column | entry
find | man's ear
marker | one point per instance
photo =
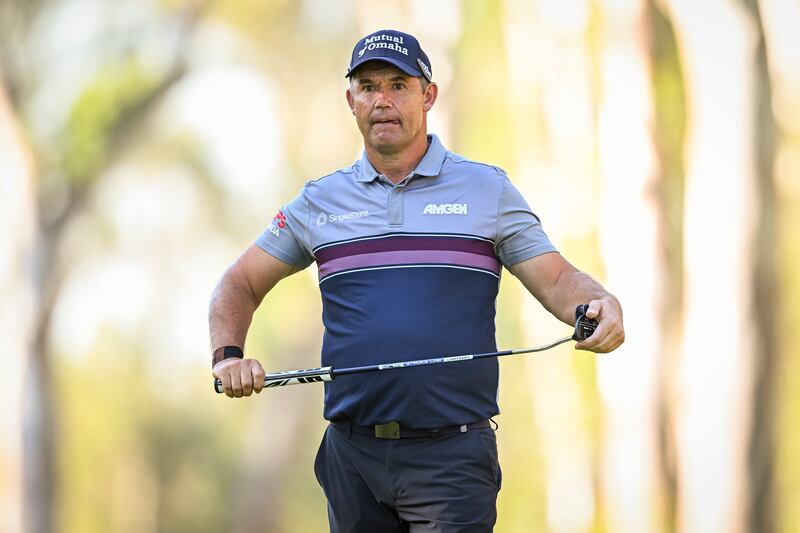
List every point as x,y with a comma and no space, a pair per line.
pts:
430,96
350,101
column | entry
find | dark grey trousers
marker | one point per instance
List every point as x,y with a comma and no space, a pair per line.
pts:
443,484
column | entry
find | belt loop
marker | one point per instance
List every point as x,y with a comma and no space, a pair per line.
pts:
349,428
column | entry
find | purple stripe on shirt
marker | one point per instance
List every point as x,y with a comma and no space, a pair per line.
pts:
409,257
404,242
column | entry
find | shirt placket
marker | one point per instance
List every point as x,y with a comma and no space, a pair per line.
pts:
395,201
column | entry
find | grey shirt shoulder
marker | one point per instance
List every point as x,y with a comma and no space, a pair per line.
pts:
498,211
519,234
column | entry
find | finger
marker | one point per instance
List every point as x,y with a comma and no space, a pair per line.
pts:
617,341
588,343
605,339
258,377
236,383
222,373
226,384
604,344
246,376
595,306
594,343
582,346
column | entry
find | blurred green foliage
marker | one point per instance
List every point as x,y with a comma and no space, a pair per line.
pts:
480,65
129,459
787,393
114,91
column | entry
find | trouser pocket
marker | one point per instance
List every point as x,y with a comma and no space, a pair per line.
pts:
489,440
319,459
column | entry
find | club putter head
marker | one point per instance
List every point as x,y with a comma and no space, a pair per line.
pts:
584,327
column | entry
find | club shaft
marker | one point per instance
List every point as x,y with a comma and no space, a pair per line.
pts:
318,375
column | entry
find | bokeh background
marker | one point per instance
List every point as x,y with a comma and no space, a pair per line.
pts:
144,144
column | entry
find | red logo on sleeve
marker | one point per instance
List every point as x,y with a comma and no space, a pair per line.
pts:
280,220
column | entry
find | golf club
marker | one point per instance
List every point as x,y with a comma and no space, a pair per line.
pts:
584,327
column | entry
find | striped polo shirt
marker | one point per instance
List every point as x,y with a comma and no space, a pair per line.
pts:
409,271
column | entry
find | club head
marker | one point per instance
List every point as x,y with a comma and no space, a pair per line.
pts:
584,327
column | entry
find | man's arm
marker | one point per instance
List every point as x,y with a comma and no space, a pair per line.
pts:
233,302
560,288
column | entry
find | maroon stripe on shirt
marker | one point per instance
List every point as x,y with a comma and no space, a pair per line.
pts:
405,243
410,257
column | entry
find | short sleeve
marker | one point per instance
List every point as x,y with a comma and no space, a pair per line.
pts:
519,232
286,237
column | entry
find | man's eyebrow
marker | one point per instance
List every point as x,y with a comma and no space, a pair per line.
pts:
363,81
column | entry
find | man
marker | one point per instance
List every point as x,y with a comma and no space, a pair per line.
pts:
409,241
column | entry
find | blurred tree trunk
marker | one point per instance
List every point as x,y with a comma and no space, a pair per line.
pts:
17,232
60,200
551,137
34,400
715,413
39,426
48,273
669,135
775,461
631,243
761,454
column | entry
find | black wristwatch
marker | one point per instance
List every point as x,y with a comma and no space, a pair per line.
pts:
226,352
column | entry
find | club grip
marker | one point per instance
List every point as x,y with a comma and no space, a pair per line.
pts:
290,377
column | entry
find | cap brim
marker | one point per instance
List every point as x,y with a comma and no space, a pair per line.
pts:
408,69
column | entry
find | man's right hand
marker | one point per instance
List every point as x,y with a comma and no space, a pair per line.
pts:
240,377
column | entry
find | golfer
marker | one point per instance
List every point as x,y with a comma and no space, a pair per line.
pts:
409,241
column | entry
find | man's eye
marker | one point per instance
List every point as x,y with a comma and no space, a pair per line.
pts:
399,86
367,88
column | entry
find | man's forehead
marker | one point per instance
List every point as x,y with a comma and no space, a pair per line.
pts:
374,69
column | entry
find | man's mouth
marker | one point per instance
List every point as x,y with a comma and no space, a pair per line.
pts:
386,121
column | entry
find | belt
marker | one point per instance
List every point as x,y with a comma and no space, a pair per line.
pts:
393,430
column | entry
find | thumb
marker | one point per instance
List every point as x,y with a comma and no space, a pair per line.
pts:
594,309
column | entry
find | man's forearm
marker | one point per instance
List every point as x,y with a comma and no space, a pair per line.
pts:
230,313
240,291
572,289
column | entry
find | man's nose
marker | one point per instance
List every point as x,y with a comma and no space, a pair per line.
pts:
383,99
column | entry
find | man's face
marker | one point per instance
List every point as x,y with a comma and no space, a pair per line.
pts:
389,106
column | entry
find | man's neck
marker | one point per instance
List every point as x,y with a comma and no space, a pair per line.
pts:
398,165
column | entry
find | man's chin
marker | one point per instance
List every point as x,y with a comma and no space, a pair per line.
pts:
387,146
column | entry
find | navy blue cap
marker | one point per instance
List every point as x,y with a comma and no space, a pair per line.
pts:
400,49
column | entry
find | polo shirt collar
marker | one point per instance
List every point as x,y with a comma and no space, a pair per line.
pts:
430,165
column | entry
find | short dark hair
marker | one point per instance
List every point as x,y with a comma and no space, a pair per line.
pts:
423,81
